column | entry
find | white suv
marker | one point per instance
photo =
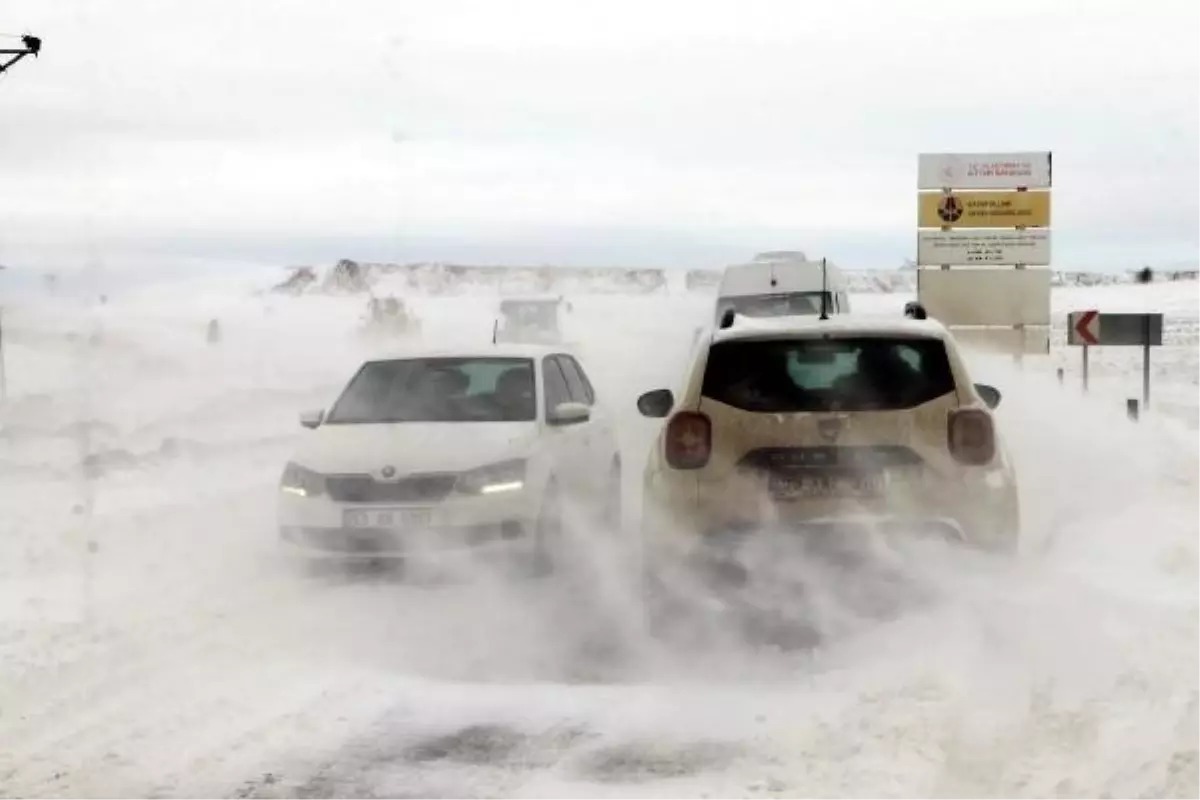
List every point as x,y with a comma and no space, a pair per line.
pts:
802,423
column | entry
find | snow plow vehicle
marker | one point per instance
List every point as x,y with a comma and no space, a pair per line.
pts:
389,317
531,320
796,433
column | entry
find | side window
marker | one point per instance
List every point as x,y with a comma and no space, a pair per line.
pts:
556,385
577,382
587,384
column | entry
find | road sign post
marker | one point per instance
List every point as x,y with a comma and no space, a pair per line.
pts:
3,374
1146,362
1093,329
1084,329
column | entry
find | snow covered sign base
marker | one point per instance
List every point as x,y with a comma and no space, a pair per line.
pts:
999,309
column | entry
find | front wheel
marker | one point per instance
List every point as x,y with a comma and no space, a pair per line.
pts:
547,534
611,501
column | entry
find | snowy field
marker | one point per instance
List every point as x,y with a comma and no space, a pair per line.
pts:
153,643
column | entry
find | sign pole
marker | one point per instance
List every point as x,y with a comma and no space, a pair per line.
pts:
1085,368
3,374
1146,363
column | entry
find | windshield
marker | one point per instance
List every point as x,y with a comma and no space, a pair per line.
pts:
850,374
776,305
439,390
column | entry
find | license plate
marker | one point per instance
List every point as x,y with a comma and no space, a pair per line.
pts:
386,518
799,486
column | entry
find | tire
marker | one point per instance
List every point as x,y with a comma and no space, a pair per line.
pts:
548,535
612,507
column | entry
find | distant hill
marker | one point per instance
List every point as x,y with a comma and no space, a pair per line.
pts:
352,277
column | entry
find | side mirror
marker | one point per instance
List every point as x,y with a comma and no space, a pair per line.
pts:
914,310
656,404
312,419
569,414
990,394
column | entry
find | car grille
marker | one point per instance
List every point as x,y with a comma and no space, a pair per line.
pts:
428,488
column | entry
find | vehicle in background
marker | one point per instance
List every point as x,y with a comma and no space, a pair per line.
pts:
802,426
441,453
531,319
390,317
780,283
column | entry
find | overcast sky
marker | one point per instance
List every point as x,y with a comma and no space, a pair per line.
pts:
641,132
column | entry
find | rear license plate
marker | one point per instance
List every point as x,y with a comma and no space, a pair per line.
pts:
387,518
822,485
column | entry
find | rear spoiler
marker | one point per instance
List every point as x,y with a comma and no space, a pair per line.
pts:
912,310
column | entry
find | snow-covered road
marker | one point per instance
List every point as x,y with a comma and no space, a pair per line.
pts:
152,642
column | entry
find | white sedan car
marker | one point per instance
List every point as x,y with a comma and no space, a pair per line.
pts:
440,453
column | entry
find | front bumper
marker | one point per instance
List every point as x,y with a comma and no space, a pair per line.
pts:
319,526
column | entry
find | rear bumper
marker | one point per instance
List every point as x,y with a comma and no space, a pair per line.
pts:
715,541
682,516
735,557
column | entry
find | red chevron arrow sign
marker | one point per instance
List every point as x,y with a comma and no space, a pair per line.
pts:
1084,327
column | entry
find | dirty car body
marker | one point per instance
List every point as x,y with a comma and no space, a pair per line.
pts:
798,428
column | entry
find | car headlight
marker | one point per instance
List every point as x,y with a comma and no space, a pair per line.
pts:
301,481
505,476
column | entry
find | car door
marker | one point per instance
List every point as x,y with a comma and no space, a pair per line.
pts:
565,443
599,439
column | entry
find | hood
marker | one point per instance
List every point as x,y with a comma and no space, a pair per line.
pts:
414,446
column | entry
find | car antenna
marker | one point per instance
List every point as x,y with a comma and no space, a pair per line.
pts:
824,292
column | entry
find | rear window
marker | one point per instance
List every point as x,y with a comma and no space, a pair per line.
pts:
836,374
784,304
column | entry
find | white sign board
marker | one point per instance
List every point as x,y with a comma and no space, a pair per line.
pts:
983,171
1034,341
1031,247
985,296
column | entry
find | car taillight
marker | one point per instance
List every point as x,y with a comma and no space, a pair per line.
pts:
972,437
689,440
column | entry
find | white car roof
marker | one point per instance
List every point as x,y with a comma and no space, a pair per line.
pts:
754,278
499,350
843,324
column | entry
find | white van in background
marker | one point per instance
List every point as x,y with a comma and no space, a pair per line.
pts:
782,283
779,283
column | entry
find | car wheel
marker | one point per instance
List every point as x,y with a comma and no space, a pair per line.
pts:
611,510
548,533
